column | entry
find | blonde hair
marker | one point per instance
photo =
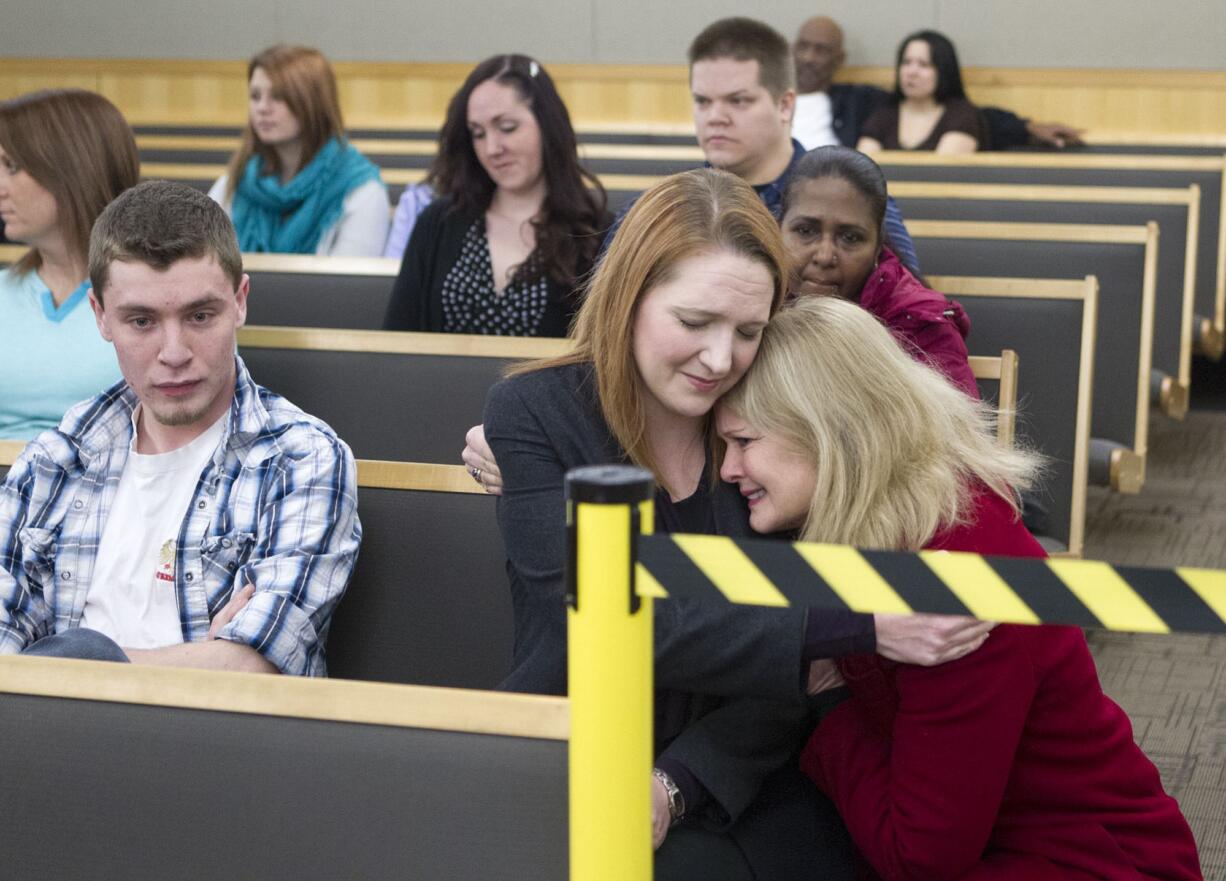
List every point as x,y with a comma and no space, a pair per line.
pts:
303,79
682,216
77,146
896,447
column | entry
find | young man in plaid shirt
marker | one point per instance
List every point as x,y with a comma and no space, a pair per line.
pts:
186,516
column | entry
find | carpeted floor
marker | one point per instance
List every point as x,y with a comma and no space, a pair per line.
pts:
1174,687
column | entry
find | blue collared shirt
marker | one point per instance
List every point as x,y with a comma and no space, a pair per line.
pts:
276,507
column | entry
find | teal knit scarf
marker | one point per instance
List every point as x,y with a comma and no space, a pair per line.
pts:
290,218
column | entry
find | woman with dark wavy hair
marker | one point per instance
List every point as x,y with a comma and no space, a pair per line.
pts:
518,222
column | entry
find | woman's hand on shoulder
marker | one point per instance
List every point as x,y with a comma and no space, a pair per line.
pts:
928,640
479,459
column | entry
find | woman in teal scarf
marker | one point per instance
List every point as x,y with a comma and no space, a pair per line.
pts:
296,186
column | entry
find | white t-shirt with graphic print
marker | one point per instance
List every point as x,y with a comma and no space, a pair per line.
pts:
132,597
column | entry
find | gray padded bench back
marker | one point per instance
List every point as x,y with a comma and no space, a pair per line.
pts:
1207,172
306,779
428,603
406,397
1051,327
1123,259
1172,210
307,291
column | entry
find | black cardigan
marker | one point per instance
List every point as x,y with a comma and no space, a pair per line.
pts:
434,247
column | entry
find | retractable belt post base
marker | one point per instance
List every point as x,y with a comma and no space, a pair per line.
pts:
609,633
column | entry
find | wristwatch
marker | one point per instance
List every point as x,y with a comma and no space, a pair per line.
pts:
676,801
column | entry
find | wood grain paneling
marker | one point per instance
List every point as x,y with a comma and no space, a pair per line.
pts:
1111,104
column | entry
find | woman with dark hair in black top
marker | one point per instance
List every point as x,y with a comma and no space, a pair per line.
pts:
518,222
928,110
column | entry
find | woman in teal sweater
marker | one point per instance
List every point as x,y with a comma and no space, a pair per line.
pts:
64,155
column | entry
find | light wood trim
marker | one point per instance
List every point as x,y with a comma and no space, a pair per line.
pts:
1007,419
992,286
1149,286
397,176
1157,139
1191,253
675,127
1085,398
311,264
1037,232
97,66
985,366
10,450
1100,77
426,147
622,97
219,143
12,253
330,700
1004,370
423,476
1052,160
1127,471
1219,317
687,153
666,73
1042,193
186,170
229,143
1006,424
400,343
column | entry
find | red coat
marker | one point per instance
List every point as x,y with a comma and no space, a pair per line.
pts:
925,320
1009,763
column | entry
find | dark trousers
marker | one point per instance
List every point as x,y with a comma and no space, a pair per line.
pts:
80,643
790,833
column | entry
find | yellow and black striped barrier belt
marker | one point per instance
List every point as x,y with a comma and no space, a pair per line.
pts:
1023,591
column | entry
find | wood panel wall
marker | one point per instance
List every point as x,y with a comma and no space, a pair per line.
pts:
1111,104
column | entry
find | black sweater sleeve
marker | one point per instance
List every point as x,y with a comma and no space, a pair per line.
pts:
1005,130
411,293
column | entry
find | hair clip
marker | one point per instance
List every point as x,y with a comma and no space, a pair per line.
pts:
533,68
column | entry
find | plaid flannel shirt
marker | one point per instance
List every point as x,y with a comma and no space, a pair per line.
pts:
276,507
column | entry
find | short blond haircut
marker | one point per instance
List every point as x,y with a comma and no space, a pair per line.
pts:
682,216
897,449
